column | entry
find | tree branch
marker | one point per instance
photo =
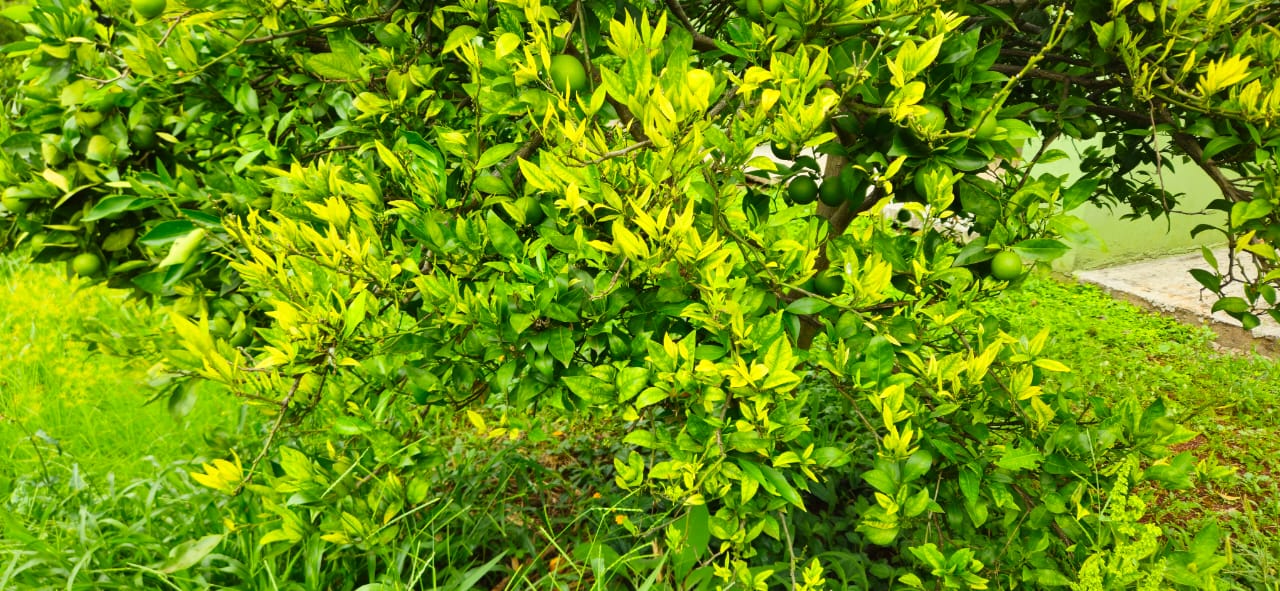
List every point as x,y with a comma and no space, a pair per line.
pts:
333,25
700,41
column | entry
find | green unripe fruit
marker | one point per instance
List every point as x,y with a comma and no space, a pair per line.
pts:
86,120
782,151
149,9
828,284
12,200
220,327
921,181
803,190
100,149
533,214
756,205
987,128
831,192
52,155
1006,265
932,121
770,7
567,73
143,136
86,264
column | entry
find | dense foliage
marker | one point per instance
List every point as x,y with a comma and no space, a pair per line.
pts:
372,218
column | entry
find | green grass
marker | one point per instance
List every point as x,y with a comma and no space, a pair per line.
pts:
63,398
1231,398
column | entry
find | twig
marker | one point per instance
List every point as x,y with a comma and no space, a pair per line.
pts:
173,26
271,435
700,41
620,152
791,552
314,28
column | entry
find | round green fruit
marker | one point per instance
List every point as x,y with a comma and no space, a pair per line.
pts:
100,149
770,7
802,190
143,136
987,128
782,151
86,120
52,155
149,9
1006,265
220,327
756,205
533,214
86,264
831,192
568,74
12,200
932,121
828,284
921,179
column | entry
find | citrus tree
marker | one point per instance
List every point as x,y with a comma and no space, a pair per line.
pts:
669,217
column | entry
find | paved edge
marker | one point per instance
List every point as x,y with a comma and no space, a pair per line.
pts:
1164,286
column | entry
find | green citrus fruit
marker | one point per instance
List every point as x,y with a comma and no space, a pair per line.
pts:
756,205
1006,265
220,327
143,136
921,180
148,9
831,192
86,264
52,155
803,190
932,121
100,149
986,129
770,7
853,182
828,284
782,151
533,214
568,74
86,120
13,201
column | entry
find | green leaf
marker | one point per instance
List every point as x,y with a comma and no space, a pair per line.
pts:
504,239
560,343
1016,459
166,232
650,396
458,36
1041,249
631,381
1078,193
881,482
1231,305
1245,211
117,204
590,389
917,465
496,154
970,484
189,553
1219,144
335,66
781,486
806,306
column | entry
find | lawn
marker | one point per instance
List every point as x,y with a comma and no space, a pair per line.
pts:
98,493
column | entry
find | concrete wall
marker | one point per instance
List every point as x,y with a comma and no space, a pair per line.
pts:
1130,240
